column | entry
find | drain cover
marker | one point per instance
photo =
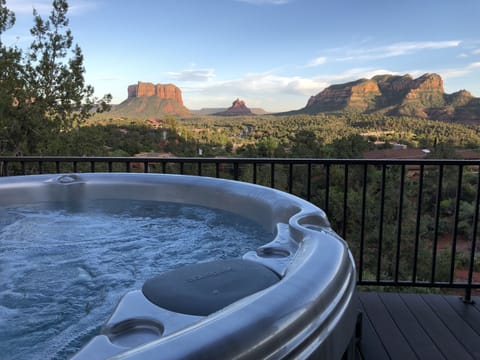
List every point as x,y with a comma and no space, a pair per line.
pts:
204,288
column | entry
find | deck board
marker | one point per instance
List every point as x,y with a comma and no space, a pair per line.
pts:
418,326
459,328
417,337
385,327
471,314
372,347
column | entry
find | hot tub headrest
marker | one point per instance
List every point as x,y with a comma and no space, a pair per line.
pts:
201,289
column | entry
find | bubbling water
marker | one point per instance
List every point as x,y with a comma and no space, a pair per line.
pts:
62,270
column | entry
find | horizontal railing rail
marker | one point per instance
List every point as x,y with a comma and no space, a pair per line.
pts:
409,223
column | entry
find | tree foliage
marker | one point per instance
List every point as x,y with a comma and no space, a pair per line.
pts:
43,90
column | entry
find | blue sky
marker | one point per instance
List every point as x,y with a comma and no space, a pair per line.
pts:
273,54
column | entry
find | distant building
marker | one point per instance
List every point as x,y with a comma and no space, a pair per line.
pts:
468,154
399,152
140,166
405,153
399,146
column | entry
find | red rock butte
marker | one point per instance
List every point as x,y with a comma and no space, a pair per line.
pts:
238,108
163,91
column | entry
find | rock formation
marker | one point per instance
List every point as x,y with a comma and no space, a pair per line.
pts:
397,95
149,101
358,95
238,108
163,91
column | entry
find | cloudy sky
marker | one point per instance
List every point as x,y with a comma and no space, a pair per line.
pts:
273,54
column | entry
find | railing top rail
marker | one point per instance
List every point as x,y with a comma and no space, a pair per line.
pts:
242,160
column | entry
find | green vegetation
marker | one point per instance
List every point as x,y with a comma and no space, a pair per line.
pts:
324,135
42,90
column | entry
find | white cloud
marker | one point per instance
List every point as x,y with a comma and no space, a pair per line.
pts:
457,72
267,83
396,49
277,93
193,75
355,74
44,7
26,6
403,48
266,90
270,91
317,61
295,85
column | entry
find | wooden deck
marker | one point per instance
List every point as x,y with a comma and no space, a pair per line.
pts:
418,326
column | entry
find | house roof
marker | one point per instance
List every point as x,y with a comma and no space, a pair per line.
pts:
412,153
409,153
468,154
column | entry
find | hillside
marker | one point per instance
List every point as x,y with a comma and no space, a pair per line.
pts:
394,95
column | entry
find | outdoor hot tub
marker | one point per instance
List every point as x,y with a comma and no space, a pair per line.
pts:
291,297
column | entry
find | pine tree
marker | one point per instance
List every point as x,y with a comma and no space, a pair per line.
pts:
43,91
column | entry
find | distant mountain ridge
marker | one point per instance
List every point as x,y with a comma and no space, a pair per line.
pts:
153,101
394,95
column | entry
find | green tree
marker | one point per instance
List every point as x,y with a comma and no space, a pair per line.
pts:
44,91
11,84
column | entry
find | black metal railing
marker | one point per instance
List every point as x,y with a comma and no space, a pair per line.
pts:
409,223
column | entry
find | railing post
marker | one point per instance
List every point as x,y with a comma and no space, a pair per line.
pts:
235,171
468,290
309,181
272,174
455,224
327,187
362,223
380,227
417,227
437,223
399,223
345,201
290,178
4,168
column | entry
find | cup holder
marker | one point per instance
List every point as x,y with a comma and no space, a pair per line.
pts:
273,252
133,332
